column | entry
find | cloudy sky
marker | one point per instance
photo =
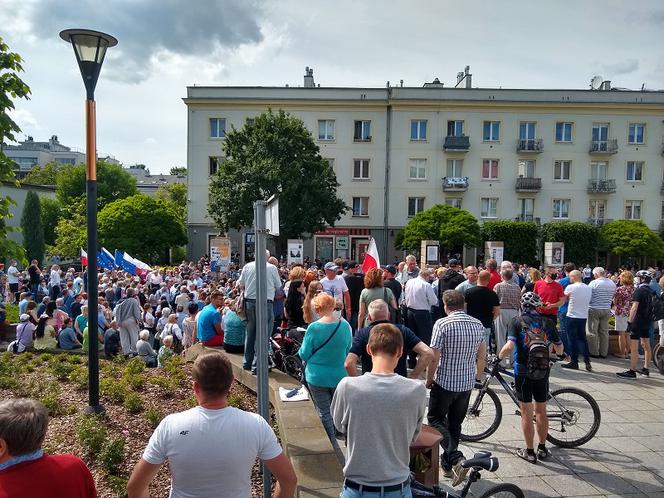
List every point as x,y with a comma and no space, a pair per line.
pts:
165,45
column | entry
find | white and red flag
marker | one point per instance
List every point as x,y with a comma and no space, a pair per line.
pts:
84,258
371,258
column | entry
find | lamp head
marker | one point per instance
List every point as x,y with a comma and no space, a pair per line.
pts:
90,49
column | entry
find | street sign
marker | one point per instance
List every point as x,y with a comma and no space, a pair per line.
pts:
272,216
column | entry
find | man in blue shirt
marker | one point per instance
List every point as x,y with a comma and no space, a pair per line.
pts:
562,311
208,321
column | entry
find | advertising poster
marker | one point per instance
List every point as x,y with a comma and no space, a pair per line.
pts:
295,251
554,253
220,253
494,250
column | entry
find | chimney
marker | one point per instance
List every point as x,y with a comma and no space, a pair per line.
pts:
309,78
469,78
606,85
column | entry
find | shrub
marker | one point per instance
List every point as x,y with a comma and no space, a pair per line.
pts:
61,369
136,381
519,238
12,313
153,416
581,240
133,403
235,401
160,382
134,366
9,383
112,455
118,486
79,376
91,434
113,389
74,359
46,357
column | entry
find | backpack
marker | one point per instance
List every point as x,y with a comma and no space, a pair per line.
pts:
537,363
657,305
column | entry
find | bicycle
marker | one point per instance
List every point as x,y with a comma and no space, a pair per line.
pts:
284,345
658,357
567,410
482,460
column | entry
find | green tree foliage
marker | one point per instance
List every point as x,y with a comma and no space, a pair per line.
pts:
632,238
11,87
580,239
70,231
33,230
43,175
113,183
175,196
275,154
51,211
144,227
519,237
179,170
453,227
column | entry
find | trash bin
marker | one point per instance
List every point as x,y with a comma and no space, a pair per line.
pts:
425,456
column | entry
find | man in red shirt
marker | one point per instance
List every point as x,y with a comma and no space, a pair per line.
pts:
25,471
551,293
492,267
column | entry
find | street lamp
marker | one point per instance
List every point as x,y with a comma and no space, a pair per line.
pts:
90,49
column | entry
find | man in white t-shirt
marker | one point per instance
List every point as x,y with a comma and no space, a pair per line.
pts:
335,286
578,294
212,448
12,280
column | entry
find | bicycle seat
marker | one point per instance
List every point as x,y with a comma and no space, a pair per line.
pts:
481,461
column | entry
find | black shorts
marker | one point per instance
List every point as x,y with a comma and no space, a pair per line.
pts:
527,390
13,288
639,332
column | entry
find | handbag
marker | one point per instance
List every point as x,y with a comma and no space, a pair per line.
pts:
304,363
16,343
241,307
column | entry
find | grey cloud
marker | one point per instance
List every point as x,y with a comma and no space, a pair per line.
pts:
623,67
145,27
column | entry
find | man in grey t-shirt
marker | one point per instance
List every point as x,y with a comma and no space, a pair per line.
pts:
381,413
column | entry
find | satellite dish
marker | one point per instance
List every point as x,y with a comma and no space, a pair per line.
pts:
596,82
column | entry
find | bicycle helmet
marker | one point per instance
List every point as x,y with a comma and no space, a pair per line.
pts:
644,275
531,300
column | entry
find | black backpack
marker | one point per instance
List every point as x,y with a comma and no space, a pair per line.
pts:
537,362
657,304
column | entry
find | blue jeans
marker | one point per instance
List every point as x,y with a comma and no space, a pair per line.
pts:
34,289
576,330
322,398
354,493
564,321
250,339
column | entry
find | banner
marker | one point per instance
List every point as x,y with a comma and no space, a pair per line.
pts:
494,250
220,254
554,253
295,251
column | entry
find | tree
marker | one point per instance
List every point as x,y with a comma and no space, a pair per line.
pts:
33,230
275,154
452,227
519,238
51,211
11,87
175,196
179,170
632,238
580,239
144,227
71,230
113,183
43,175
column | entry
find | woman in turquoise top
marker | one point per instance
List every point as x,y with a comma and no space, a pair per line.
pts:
325,366
235,330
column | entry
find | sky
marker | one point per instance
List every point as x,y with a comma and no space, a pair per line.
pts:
166,45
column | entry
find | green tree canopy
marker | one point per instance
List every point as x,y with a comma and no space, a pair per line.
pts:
43,175
51,211
113,183
144,227
179,170
275,154
452,227
11,87
175,196
519,237
632,238
71,231
580,239
33,230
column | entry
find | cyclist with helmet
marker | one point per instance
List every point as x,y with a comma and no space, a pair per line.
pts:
638,325
528,336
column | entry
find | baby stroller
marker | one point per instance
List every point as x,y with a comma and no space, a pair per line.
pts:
284,345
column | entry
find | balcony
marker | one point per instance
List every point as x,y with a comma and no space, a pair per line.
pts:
527,217
456,144
528,184
601,186
531,145
455,183
604,146
598,222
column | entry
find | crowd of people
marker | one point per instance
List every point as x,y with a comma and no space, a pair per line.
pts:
373,342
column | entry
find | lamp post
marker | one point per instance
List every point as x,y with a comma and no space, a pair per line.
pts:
90,49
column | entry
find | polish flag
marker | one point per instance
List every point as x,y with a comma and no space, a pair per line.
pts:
371,259
84,258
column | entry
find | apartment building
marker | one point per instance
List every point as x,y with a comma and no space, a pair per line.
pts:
542,155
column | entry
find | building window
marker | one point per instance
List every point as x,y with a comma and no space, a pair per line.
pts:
360,206
527,131
489,207
634,171
637,133
418,129
215,162
597,210
561,208
526,209
599,170
491,131
527,168
564,132
562,170
601,134
361,169
415,205
633,210
217,127
418,169
454,168
455,128
325,129
489,169
454,202
24,163
66,160
362,131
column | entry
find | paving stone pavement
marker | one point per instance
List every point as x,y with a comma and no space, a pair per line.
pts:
625,458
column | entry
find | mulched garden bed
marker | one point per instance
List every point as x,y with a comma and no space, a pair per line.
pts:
135,399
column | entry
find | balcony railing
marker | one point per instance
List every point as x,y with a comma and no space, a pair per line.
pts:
601,186
533,145
527,217
455,183
598,222
456,144
528,184
604,146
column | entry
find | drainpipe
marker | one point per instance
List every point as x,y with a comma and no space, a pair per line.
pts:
386,199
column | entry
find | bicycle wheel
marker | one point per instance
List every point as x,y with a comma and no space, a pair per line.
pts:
483,416
293,367
504,490
574,417
658,358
